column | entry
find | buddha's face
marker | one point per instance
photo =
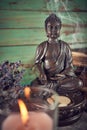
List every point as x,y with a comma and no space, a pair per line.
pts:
53,30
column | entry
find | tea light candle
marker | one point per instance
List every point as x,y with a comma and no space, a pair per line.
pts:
33,121
37,121
64,101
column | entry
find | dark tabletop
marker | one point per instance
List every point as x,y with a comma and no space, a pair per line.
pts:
81,124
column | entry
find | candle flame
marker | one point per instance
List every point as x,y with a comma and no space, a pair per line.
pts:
27,92
23,111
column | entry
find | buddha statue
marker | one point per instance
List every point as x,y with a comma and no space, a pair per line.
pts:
53,60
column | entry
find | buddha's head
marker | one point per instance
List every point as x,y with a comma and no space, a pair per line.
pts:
53,26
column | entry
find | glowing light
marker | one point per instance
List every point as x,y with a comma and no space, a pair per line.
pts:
23,111
27,92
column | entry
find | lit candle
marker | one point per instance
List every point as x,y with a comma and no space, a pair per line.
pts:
27,121
27,92
63,100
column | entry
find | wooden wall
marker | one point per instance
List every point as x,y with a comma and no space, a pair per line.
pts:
22,27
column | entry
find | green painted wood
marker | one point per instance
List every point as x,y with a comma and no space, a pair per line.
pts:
44,5
28,76
21,19
24,28
30,19
22,4
67,5
24,53
21,37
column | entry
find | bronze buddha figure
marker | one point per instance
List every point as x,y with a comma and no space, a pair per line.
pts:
53,59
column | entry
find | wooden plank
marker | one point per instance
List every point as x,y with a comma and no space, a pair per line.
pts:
29,19
21,37
23,4
13,54
45,5
79,59
67,5
78,45
21,19
75,38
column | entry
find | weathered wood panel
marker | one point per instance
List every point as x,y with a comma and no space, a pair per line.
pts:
30,19
13,54
21,36
23,27
44,5
21,19
67,5
23,4
13,37
79,59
